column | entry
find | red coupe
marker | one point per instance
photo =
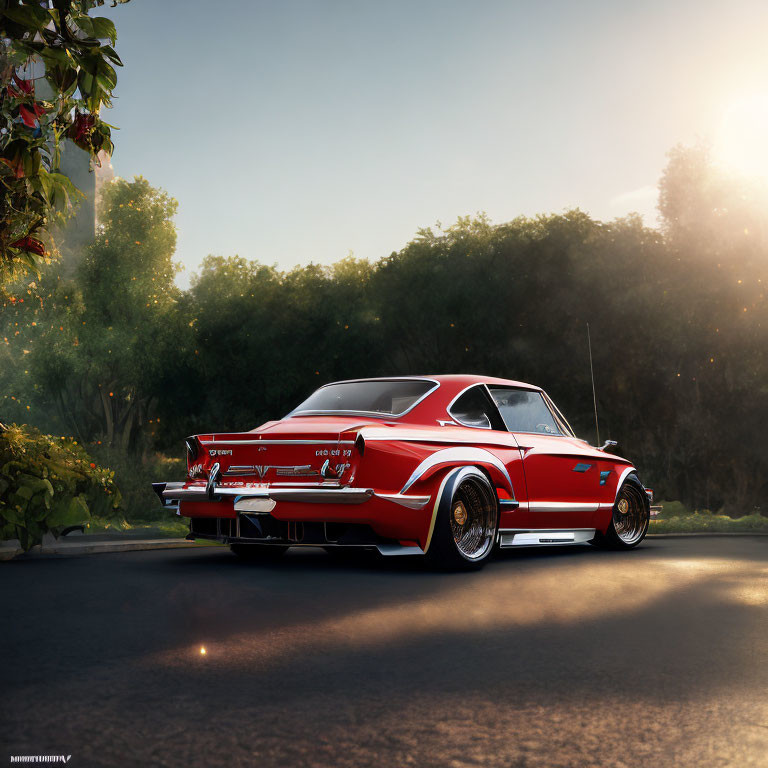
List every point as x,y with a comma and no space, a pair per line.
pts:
442,466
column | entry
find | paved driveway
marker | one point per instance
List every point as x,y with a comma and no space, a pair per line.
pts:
656,657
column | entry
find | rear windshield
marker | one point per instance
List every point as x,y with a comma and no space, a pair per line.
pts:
388,398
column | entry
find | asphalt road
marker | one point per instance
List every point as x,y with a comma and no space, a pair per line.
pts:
572,657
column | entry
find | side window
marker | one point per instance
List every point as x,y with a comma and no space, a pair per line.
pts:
524,410
472,409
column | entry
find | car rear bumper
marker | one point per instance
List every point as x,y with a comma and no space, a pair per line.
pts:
292,515
330,493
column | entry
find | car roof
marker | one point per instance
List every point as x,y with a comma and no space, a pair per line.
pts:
453,379
447,387
467,379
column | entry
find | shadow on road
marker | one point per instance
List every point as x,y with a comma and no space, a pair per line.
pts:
369,661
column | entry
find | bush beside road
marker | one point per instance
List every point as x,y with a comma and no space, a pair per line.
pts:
675,517
168,527
708,522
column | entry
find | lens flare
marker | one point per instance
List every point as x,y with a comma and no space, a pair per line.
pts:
740,143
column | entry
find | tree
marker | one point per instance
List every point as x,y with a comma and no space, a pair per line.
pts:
56,72
76,57
716,230
112,332
679,325
275,335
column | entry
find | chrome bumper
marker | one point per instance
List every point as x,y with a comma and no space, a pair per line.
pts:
170,493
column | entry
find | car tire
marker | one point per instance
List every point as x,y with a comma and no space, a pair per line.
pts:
466,521
263,552
630,518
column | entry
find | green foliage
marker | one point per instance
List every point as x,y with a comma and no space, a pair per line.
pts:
89,354
166,527
72,56
679,329
48,483
679,324
673,509
134,475
277,334
706,522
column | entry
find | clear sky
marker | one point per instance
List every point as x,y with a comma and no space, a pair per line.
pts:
294,131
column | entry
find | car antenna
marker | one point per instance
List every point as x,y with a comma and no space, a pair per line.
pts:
592,374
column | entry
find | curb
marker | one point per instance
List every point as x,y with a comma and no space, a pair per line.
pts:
96,547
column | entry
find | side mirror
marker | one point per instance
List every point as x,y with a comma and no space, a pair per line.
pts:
607,444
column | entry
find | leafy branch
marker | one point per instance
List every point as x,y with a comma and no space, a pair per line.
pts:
57,71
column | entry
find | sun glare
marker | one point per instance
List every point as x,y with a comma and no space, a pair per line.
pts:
742,140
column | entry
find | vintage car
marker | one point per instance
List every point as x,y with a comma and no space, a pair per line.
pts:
444,466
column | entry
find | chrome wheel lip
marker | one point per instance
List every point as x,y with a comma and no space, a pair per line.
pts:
630,526
474,544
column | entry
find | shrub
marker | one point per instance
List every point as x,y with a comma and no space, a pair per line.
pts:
707,522
673,509
49,483
135,475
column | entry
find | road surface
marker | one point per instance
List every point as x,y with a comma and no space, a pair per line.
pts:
572,657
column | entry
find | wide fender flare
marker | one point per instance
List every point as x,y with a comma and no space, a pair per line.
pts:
462,457
602,518
448,485
623,475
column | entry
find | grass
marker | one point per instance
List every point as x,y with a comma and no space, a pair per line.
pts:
170,528
709,522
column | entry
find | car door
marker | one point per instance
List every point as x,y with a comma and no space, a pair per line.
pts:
562,485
